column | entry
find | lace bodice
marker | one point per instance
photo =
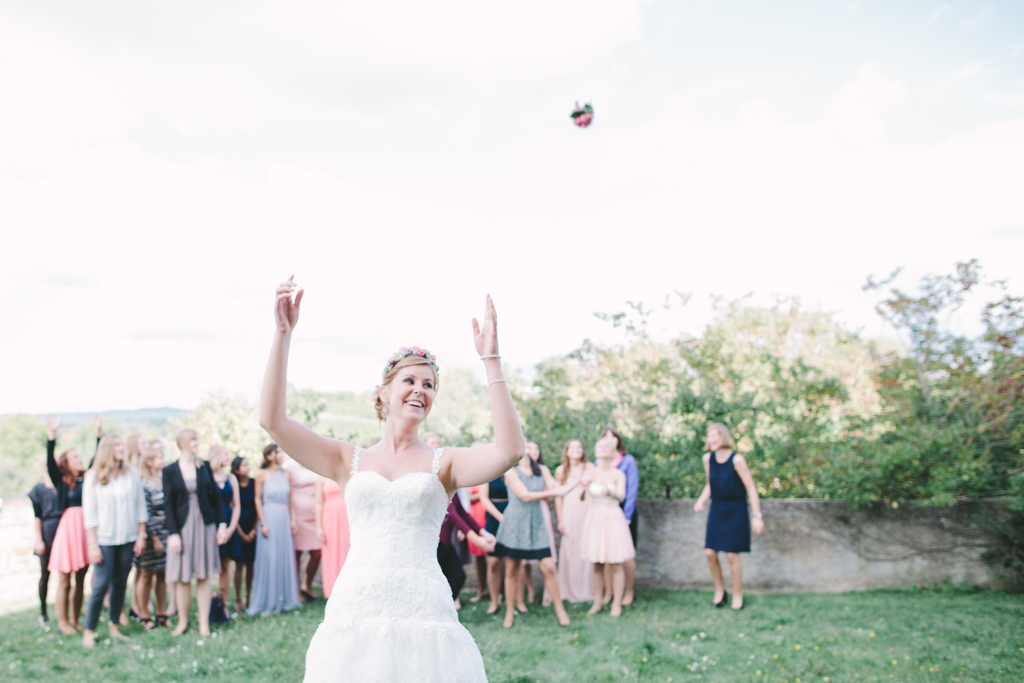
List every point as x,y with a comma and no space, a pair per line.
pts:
391,616
396,520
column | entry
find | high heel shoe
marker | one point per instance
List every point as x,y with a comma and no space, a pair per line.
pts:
742,605
721,603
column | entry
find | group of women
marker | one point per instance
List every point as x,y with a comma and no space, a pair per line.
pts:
177,524
509,524
509,528
188,521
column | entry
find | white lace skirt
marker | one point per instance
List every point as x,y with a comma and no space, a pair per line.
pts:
391,626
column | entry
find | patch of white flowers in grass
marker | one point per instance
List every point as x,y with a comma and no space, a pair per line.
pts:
741,635
703,635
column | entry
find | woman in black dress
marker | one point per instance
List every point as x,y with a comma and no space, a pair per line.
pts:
47,517
245,549
729,486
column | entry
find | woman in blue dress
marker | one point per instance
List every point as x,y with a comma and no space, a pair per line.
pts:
729,486
275,586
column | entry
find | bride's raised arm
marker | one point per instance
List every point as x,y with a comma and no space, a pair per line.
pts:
328,457
480,464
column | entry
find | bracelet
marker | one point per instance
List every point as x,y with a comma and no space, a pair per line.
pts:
759,515
491,356
495,380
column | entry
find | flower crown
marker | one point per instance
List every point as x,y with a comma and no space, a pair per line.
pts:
405,353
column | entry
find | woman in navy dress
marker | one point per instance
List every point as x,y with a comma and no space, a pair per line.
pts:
494,498
245,549
729,486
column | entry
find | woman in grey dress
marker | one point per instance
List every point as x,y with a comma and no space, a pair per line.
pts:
275,586
195,524
523,534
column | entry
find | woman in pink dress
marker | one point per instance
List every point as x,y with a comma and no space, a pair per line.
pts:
574,572
606,537
306,537
332,528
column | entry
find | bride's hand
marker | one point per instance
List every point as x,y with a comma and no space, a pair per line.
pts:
286,311
485,337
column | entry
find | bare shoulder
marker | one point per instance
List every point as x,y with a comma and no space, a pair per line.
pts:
559,470
739,460
706,457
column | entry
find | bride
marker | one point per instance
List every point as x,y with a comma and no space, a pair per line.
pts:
391,616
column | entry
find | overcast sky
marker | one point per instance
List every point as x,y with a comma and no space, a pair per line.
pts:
164,165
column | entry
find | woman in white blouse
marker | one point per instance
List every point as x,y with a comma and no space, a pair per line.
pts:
114,508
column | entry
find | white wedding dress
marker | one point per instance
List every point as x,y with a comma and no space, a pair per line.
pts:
391,617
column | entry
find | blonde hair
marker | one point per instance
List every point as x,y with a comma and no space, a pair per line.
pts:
184,436
106,461
214,451
146,469
723,432
406,362
134,452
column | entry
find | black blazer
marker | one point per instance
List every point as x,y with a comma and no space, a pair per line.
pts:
176,497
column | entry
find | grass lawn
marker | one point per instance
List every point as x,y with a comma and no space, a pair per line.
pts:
666,635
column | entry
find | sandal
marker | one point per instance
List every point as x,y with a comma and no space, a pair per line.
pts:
306,594
147,624
161,620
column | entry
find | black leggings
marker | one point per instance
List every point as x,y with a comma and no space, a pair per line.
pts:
44,583
451,567
110,574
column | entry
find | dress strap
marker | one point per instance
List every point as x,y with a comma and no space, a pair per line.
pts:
355,459
435,464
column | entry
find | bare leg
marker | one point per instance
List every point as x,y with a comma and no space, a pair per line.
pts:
161,593
528,581
494,573
224,581
311,566
141,594
183,601
77,597
248,583
63,589
239,570
525,578
204,593
607,597
550,572
298,573
598,586
736,574
618,587
716,573
481,576
513,574
629,568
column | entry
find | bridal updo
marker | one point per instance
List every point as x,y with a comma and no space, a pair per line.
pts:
389,377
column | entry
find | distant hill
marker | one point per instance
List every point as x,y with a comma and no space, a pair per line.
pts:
156,417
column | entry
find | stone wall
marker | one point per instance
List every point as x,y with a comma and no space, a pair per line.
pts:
822,546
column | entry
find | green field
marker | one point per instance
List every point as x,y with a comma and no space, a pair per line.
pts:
666,635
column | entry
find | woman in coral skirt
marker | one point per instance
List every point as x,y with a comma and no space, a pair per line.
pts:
606,537
332,528
70,551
